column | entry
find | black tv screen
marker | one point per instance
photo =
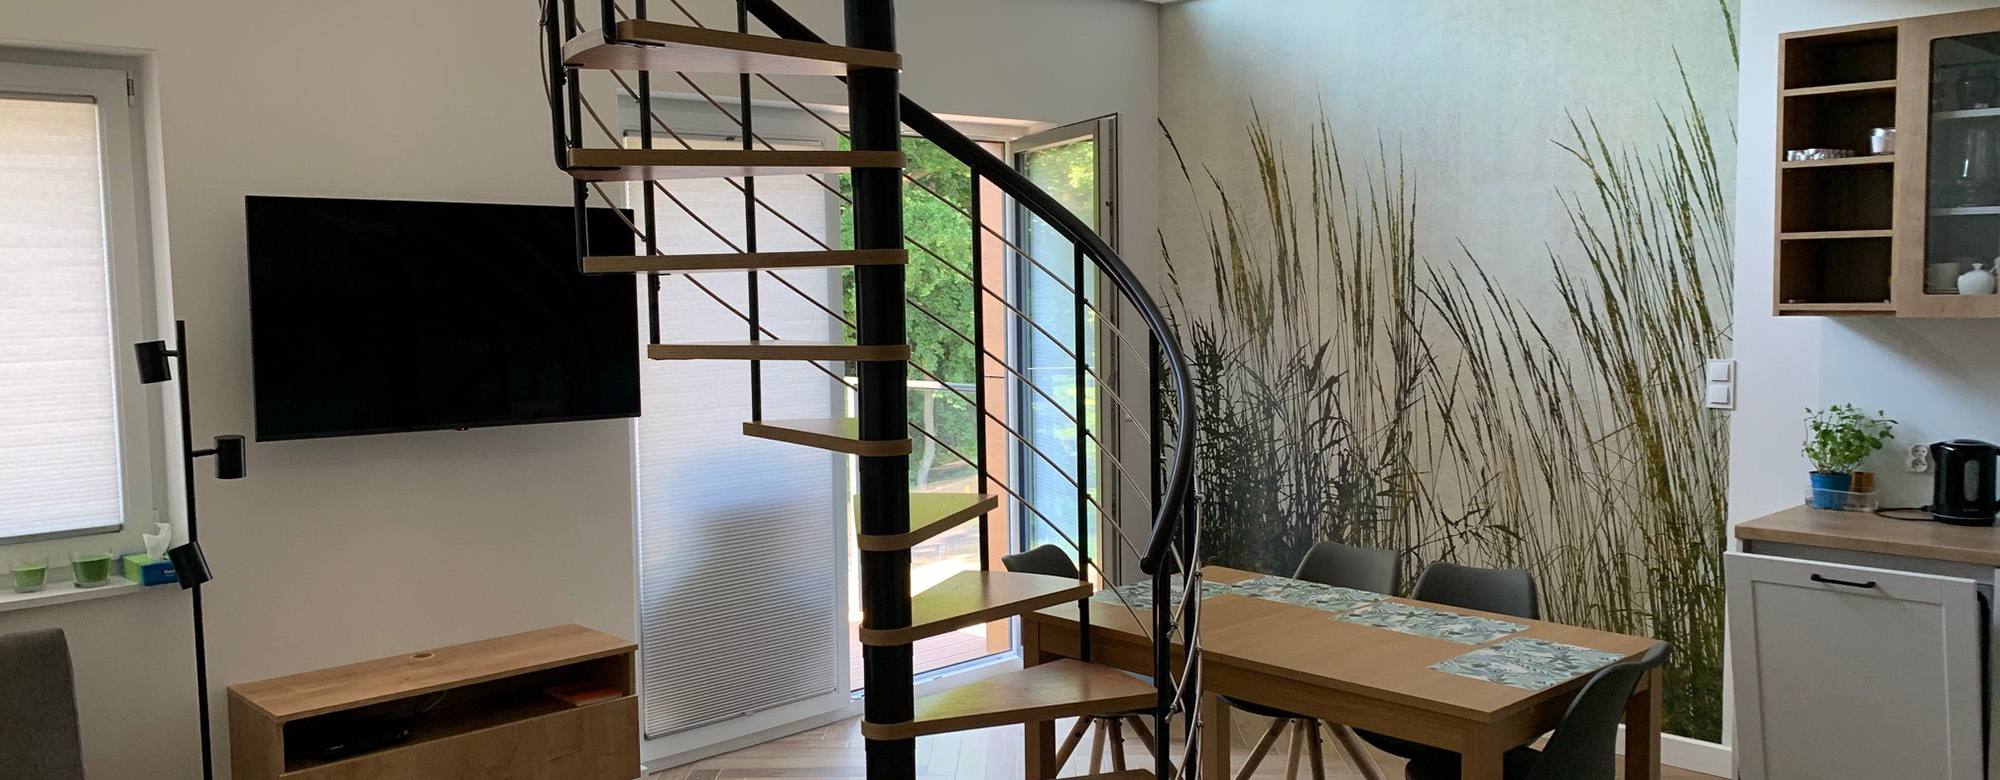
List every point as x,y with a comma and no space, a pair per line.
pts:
372,316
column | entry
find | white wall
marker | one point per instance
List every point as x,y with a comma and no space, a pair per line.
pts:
342,550
1935,377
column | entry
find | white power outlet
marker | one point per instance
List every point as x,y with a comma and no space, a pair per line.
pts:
1920,458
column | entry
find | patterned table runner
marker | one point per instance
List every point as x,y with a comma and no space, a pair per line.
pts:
1433,623
1301,593
1140,594
1533,664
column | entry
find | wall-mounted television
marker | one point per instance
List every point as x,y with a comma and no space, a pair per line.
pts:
375,316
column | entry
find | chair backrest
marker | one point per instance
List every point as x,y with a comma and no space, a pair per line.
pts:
1586,740
1503,591
1362,568
1046,559
38,731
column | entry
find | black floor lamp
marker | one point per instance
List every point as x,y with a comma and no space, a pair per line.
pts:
189,565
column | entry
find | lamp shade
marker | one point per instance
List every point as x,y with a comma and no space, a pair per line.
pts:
153,368
231,461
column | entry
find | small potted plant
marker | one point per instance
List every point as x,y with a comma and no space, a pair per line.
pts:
1838,439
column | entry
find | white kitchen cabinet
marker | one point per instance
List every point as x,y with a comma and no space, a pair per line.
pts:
1849,672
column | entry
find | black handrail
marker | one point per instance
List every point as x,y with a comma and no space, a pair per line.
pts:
1040,203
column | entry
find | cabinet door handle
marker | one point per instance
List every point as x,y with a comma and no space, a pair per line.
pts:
1832,581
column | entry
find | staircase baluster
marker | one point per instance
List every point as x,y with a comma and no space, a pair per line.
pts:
749,221
1083,516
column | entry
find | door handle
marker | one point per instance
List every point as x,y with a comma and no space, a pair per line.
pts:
1832,581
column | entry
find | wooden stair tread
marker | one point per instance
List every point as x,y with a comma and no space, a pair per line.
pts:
657,164
658,46
1061,689
839,434
969,598
743,261
776,350
1129,774
931,514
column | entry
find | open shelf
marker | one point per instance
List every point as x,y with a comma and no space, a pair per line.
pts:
1843,162
1823,309
1885,87
1851,56
1836,198
1834,275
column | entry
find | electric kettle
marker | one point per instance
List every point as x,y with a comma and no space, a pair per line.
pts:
1962,483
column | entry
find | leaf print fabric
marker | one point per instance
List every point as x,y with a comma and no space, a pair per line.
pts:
1433,623
1301,593
1533,664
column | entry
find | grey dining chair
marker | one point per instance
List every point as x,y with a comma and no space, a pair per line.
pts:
1584,744
1501,591
39,737
1347,566
1051,560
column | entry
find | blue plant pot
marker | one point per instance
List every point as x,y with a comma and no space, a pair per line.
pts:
1829,491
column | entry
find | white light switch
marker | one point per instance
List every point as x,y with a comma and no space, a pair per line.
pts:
1720,390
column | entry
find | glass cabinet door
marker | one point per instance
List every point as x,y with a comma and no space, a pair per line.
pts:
1949,229
1962,184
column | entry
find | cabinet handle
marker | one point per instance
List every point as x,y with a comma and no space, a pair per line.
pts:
1832,581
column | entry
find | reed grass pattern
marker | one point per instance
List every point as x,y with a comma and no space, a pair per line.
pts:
1349,389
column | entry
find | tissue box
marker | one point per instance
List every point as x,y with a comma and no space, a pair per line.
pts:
146,570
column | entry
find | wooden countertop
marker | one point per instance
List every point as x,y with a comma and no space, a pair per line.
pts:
1872,533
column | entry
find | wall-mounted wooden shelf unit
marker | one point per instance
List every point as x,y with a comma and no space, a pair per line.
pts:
1889,234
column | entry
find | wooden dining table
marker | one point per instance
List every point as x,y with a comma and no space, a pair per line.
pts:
1303,660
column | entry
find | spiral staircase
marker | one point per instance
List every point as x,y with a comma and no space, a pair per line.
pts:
892,519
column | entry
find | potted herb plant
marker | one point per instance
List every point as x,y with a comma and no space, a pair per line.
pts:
1838,438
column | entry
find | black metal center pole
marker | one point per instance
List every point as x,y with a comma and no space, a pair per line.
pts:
874,96
194,538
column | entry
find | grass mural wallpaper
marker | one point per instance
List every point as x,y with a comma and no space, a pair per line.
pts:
1367,373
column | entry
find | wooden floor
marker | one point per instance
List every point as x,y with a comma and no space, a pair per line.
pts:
989,754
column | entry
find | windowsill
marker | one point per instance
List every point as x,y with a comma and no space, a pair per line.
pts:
63,593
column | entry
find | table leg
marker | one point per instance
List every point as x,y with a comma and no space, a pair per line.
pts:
1482,758
1039,739
1642,730
1214,737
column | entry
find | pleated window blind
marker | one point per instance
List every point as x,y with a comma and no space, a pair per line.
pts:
59,457
739,538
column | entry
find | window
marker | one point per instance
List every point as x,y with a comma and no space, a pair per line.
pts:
736,534
72,428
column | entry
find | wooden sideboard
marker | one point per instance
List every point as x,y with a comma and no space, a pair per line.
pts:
487,714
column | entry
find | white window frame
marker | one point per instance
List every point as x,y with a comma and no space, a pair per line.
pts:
130,273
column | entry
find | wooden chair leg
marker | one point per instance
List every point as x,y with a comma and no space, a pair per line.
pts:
1357,750
1117,729
1144,734
1263,746
1070,742
1096,750
1311,728
1292,762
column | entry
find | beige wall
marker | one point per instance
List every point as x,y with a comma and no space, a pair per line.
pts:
341,550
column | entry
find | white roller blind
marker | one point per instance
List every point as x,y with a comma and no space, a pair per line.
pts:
739,538
59,464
